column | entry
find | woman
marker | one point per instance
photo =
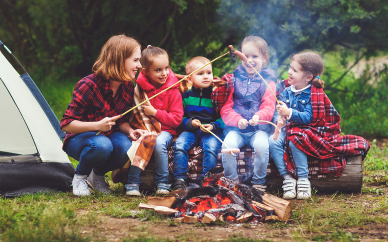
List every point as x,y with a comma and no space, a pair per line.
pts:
98,100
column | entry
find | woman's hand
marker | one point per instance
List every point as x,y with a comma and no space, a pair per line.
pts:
282,109
195,123
207,126
135,134
107,123
148,109
242,123
255,120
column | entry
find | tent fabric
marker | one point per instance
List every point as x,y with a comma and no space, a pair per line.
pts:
31,155
43,104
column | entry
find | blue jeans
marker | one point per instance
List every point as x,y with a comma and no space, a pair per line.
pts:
277,151
186,141
161,160
98,152
259,142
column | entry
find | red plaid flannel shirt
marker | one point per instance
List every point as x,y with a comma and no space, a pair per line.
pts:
221,94
322,138
93,100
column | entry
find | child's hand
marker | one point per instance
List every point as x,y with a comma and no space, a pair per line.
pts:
242,123
207,126
255,120
195,123
282,109
135,134
148,109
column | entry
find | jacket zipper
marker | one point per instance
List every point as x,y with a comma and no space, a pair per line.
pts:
200,98
249,81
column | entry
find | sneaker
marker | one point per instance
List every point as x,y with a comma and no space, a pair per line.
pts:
261,188
303,188
80,186
98,183
179,184
163,189
132,190
289,191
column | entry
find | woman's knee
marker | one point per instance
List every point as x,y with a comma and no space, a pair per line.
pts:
101,146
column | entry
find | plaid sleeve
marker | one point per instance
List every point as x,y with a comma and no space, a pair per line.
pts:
220,94
82,95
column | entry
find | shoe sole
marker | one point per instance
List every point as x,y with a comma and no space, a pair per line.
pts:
133,193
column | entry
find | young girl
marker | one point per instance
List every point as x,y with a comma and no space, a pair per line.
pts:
166,108
312,128
249,100
97,101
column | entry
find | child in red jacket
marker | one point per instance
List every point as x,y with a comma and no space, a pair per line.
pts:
166,108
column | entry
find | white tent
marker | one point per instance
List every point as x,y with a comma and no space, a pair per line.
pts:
31,155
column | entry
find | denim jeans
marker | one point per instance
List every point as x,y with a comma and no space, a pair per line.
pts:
186,141
161,161
277,151
98,152
259,142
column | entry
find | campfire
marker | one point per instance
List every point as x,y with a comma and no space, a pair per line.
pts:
219,198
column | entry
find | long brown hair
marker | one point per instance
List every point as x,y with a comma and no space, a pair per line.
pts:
110,64
311,63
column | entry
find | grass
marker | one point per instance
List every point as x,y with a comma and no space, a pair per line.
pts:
64,217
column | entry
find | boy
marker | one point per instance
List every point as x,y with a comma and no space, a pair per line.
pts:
198,109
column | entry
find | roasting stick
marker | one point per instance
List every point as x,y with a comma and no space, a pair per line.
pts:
243,58
219,57
227,150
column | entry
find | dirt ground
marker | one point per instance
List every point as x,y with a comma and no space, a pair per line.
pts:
116,229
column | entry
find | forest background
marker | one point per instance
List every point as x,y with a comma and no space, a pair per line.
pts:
58,41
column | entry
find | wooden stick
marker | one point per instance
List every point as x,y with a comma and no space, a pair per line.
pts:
169,87
217,138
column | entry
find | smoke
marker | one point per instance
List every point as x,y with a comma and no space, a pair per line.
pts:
287,26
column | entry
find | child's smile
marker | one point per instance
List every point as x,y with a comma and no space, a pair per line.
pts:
297,76
158,71
255,59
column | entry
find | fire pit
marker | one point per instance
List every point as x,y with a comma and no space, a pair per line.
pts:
219,198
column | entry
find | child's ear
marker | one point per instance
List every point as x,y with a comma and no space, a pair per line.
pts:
189,80
144,70
266,58
309,78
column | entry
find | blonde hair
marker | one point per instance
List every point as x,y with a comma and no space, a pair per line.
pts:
110,64
311,63
198,59
259,42
149,53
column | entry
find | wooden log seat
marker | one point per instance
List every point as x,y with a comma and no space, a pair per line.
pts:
349,182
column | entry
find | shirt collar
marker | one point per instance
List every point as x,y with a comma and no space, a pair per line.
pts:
305,89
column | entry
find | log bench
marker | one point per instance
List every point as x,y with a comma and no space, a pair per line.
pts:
349,182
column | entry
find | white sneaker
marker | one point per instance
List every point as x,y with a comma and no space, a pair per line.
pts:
132,190
289,191
261,188
98,183
304,188
163,189
80,186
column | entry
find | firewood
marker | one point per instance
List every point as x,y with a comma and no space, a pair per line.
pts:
190,219
270,209
282,207
178,220
146,206
208,218
165,210
272,217
244,218
161,201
